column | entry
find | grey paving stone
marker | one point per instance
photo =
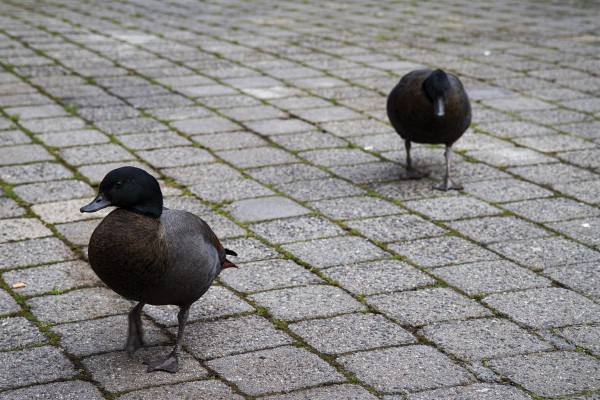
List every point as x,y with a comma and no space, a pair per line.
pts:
279,126
7,303
156,140
322,253
230,336
551,209
205,125
545,307
351,332
551,374
497,229
202,173
583,158
33,252
356,207
477,391
217,302
235,189
457,207
32,112
114,113
490,277
266,275
513,128
10,208
46,125
103,153
133,125
586,230
308,141
483,338
187,203
545,252
319,189
585,336
257,157
37,172
252,249
426,306
34,365
8,138
43,279
66,211
441,251
316,300
176,156
44,192
580,277
378,277
115,372
393,228
280,369
222,226
503,190
296,229
23,154
340,156
79,232
95,173
253,113
22,228
208,389
556,116
70,390
355,127
371,172
78,305
286,173
405,369
553,174
230,140
265,208
554,143
19,332
347,392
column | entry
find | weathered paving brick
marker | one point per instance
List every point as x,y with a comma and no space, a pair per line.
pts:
44,192
545,307
316,300
232,336
34,365
393,228
426,306
37,172
483,338
503,190
348,392
19,332
22,228
296,229
583,336
447,208
280,369
551,374
477,391
206,389
580,277
70,390
496,229
339,334
552,209
268,274
356,207
405,369
33,252
23,154
265,208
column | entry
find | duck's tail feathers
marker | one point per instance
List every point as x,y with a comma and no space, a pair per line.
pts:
230,252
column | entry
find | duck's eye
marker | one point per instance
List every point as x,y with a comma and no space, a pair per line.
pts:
119,184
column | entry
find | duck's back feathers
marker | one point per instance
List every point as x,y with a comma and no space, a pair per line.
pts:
411,111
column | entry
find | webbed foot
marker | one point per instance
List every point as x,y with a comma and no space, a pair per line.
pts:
169,364
447,184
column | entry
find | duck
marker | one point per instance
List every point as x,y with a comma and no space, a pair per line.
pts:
429,106
152,255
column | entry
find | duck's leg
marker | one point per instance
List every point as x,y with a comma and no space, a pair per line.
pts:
447,183
410,172
170,363
135,337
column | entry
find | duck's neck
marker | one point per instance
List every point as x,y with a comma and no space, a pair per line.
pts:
153,208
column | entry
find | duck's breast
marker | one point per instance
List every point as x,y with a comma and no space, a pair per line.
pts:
127,251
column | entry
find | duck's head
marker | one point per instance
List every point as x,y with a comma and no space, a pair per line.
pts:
130,188
436,86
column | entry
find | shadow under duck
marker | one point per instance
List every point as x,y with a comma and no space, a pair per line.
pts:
150,254
429,107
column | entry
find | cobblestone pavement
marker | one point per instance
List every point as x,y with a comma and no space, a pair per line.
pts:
267,118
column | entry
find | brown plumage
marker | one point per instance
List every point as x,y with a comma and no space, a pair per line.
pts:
429,107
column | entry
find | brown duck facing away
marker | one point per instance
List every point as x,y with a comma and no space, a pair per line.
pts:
429,107
150,254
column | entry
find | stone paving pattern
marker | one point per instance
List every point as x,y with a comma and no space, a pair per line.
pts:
267,118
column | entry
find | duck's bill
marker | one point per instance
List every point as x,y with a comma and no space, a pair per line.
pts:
439,107
98,203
